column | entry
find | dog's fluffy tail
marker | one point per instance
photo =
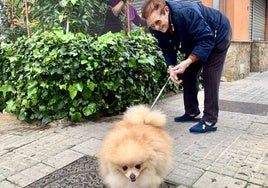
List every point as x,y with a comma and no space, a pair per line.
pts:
143,114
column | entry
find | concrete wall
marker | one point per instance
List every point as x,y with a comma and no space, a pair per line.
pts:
237,63
245,57
259,62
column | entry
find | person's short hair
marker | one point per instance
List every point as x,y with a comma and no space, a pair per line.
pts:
151,5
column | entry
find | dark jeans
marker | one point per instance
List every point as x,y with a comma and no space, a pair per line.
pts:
211,71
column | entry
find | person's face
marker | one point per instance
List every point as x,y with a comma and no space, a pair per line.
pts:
158,20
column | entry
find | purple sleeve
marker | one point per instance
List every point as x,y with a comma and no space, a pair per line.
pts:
114,2
133,16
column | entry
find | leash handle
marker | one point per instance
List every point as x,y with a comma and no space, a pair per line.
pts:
159,94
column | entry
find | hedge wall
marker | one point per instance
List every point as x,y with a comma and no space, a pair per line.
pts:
52,75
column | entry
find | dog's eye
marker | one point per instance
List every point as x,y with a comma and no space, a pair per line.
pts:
124,168
138,166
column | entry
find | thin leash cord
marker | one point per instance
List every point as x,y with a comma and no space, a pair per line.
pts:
159,94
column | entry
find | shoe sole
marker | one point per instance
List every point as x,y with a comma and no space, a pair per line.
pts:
213,130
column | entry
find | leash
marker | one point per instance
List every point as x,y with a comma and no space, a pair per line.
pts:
159,94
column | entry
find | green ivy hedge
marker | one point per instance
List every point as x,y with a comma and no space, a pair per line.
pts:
52,75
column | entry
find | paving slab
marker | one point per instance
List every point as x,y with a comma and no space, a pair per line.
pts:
212,180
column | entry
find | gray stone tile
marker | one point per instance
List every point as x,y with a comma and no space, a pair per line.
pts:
7,184
89,147
214,180
62,159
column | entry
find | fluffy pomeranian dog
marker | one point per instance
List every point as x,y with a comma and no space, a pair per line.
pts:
137,152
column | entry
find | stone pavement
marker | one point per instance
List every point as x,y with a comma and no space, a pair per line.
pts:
235,156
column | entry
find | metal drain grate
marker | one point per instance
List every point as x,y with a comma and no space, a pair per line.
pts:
82,173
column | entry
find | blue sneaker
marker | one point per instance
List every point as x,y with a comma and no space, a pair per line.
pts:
202,127
187,118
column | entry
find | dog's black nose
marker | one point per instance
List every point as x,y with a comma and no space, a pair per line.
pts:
132,177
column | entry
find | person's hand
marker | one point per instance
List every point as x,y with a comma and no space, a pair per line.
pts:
178,69
173,75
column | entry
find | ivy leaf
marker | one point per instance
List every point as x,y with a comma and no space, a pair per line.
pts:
90,109
72,91
73,2
7,88
36,53
63,86
61,18
75,116
64,3
12,59
79,86
91,85
32,89
11,106
22,114
25,103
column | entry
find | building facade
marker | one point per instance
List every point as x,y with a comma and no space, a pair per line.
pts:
249,18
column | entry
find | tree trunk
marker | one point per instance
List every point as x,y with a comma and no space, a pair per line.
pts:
27,17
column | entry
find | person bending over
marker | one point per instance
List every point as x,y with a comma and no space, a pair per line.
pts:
203,34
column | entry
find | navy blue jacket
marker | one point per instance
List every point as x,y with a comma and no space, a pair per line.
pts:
197,30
